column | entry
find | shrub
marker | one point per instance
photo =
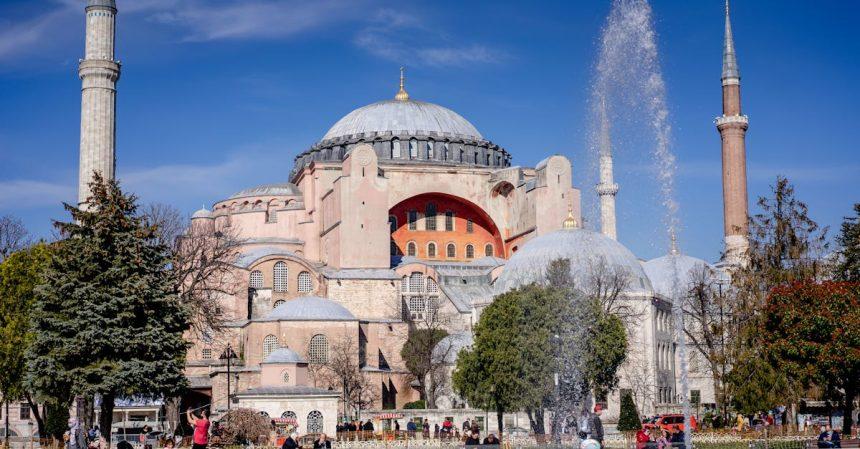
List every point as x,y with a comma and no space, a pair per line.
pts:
245,425
419,404
628,421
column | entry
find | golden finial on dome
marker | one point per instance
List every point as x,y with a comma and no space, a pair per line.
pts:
401,94
570,221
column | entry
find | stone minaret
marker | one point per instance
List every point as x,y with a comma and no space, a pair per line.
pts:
607,188
732,126
99,73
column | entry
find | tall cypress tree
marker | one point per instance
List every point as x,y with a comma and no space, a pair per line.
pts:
107,320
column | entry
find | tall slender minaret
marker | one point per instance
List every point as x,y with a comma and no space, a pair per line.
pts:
607,188
99,73
732,126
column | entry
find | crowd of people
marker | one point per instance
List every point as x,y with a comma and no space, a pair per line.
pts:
469,433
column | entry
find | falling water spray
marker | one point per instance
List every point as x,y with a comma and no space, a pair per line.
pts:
628,78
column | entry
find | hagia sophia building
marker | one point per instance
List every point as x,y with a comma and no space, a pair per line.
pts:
403,213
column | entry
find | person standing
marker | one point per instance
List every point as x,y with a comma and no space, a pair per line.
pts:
201,428
322,442
290,442
74,437
472,438
597,425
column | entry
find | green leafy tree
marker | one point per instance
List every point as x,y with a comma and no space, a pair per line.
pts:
814,332
20,272
848,267
107,320
628,420
417,354
786,246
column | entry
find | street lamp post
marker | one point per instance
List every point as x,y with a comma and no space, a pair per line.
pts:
228,355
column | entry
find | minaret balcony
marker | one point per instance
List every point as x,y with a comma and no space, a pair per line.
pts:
607,189
728,120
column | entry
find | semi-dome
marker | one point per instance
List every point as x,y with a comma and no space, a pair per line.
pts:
588,251
448,348
278,189
409,116
310,308
284,355
662,272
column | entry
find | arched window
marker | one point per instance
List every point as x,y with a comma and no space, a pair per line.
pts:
278,303
280,275
451,251
430,217
411,249
270,343
305,283
429,149
449,221
470,226
461,154
431,250
488,250
395,148
470,251
315,422
476,158
447,152
432,287
286,376
289,414
412,217
416,282
256,279
413,149
318,349
392,223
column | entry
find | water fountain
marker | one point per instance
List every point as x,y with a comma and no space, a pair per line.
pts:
628,77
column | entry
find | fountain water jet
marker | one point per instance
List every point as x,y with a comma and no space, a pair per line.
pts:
628,73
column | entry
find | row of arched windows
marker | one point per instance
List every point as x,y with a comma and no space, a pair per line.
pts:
317,347
450,250
280,277
429,220
459,155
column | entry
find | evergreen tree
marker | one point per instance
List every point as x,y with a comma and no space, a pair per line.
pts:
107,320
19,275
848,268
628,420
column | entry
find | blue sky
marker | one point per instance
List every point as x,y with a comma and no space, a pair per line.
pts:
220,95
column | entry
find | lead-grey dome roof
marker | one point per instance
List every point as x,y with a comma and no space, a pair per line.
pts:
398,115
661,271
588,252
309,308
284,355
449,347
285,188
202,213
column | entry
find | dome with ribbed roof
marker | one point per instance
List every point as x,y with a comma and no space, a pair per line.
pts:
202,213
284,355
310,308
663,270
278,189
588,251
409,116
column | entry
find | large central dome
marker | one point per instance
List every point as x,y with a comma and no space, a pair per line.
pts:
399,116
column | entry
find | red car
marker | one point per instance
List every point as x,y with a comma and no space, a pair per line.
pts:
670,422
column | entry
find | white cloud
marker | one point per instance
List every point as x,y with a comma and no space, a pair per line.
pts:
19,38
30,194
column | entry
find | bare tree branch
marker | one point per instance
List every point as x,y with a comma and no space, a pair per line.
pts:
13,236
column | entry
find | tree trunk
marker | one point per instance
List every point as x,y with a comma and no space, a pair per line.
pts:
500,418
536,420
106,417
848,408
37,415
171,410
89,412
6,417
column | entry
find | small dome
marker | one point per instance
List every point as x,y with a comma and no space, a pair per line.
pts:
585,249
662,270
284,355
310,308
449,347
281,189
202,213
409,116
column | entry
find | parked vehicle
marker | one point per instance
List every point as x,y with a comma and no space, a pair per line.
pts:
670,422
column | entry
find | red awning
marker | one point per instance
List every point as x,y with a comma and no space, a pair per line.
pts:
285,421
389,416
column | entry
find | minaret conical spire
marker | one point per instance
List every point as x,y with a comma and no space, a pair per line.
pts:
401,94
731,73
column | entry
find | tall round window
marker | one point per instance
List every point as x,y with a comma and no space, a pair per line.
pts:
256,279
318,349
488,250
470,251
280,274
411,249
431,250
270,343
315,422
451,251
305,283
